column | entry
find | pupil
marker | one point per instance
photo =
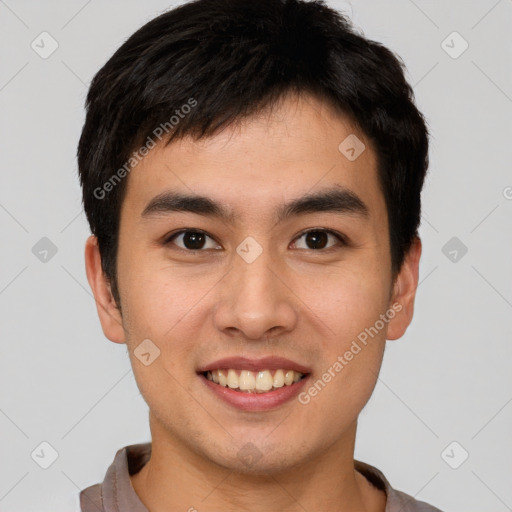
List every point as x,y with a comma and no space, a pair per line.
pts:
317,237
193,240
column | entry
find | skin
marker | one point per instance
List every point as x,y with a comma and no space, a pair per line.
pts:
292,301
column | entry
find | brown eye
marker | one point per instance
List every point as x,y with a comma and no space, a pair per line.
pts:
317,239
191,240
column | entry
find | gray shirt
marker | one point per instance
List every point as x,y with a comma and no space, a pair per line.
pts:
116,493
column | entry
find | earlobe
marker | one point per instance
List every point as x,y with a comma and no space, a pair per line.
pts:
109,314
404,292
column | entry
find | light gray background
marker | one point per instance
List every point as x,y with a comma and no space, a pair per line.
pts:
448,379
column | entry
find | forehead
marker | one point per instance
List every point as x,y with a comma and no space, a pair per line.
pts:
299,146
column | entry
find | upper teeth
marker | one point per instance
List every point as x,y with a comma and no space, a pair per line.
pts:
245,380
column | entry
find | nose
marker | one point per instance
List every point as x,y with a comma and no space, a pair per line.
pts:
256,302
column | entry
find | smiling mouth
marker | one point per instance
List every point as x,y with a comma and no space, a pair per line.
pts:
246,381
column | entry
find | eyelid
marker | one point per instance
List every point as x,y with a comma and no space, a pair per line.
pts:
168,239
342,239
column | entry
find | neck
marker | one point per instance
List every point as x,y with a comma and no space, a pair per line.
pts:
177,478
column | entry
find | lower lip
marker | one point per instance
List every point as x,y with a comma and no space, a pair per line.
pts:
256,401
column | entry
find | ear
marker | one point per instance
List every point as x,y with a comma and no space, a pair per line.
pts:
404,292
109,314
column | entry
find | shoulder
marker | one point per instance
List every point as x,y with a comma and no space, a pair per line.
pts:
90,499
406,503
116,491
397,501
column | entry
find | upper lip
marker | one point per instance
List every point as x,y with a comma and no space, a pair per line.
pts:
264,363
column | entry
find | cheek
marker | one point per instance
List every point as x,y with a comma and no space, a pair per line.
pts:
167,306
155,295
346,300
352,302
351,352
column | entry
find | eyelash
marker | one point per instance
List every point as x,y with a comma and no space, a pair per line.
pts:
342,240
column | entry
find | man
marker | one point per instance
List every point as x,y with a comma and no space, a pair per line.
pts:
251,173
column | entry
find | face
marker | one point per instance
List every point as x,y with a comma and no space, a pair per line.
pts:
276,285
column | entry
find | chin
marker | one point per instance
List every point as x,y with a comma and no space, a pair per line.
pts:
258,457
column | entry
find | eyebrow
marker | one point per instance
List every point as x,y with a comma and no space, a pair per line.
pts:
332,200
